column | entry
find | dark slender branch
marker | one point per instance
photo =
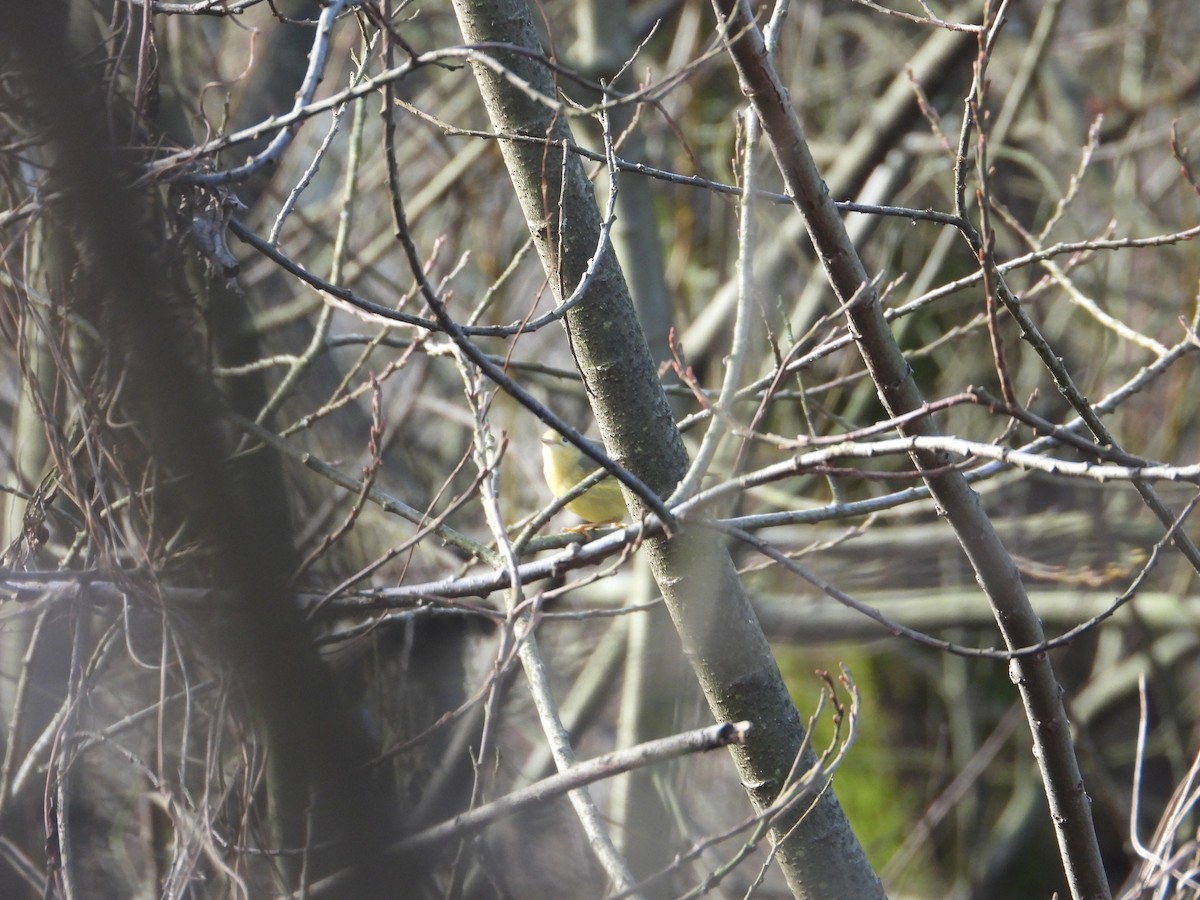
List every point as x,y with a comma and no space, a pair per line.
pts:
1069,805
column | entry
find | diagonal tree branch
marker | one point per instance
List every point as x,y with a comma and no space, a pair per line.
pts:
1041,694
721,637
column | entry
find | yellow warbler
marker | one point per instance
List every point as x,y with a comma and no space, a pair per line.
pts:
564,466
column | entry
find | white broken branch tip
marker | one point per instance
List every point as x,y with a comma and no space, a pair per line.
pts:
734,732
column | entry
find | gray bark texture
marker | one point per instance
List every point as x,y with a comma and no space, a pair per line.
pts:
819,854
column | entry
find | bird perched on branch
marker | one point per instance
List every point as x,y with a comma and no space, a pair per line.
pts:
565,465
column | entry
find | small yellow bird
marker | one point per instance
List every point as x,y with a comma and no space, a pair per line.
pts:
564,466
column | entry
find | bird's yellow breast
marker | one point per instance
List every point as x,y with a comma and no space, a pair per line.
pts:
564,466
